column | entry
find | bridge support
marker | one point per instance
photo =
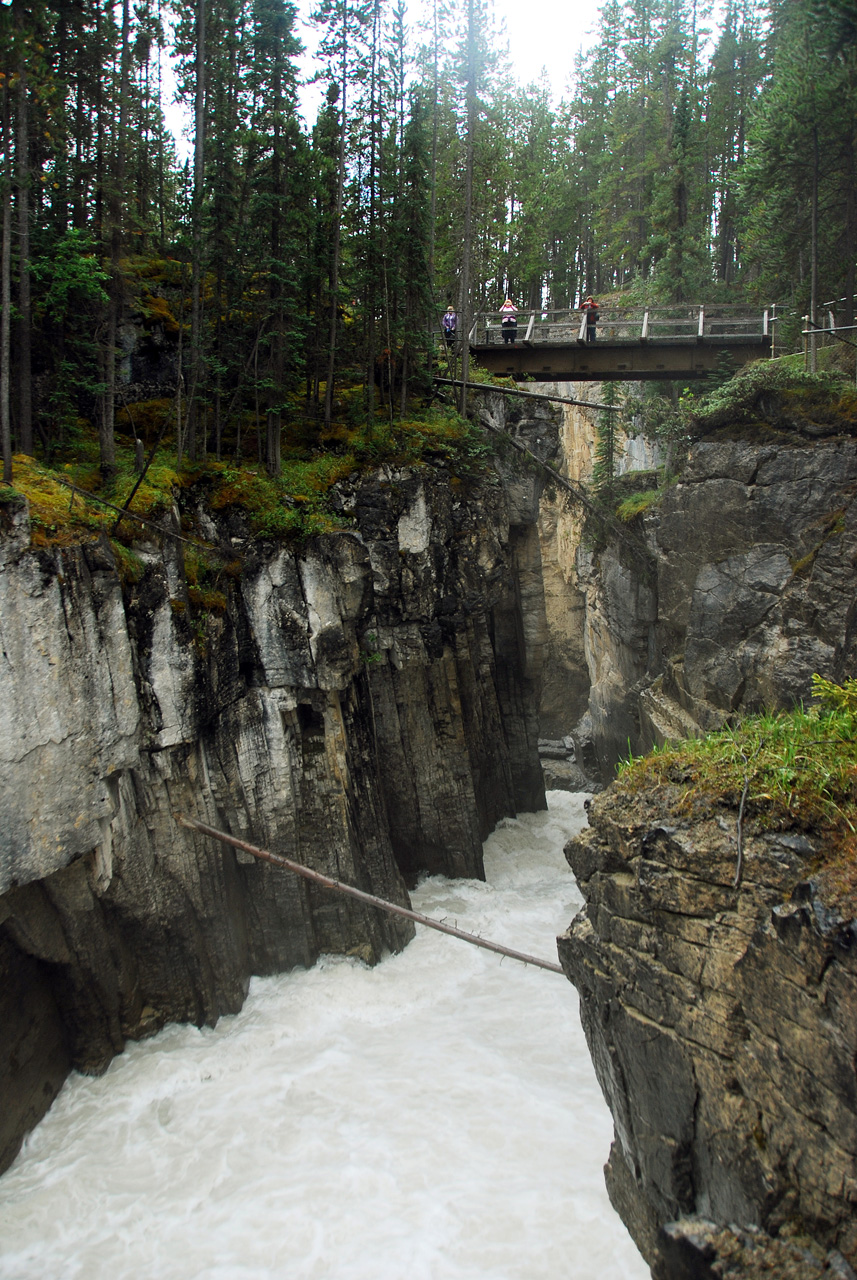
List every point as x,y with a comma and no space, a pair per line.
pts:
624,360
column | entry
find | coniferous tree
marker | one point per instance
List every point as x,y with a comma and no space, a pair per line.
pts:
734,78
799,175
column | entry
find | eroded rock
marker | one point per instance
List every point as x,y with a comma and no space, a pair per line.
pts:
722,1022
742,587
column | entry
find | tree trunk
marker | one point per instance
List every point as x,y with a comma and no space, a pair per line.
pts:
107,434
466,308
371,282
180,371
273,454
337,228
25,320
6,294
850,227
196,282
813,286
435,87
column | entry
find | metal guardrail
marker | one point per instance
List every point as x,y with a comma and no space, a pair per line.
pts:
635,324
817,337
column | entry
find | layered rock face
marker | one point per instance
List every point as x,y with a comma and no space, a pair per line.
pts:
566,680
722,1022
741,587
366,706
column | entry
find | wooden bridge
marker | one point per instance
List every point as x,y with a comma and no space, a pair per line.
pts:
678,342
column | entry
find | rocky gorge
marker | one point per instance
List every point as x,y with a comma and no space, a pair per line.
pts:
370,704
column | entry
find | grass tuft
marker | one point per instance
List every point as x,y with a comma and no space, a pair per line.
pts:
629,508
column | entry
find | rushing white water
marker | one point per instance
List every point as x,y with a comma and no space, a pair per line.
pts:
434,1118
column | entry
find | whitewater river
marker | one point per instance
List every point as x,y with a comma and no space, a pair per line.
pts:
433,1118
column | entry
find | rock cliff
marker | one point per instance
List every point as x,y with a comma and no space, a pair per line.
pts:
721,1019
722,1022
567,679
743,585
365,704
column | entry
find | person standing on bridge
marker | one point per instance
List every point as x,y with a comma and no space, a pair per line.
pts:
590,307
449,323
509,320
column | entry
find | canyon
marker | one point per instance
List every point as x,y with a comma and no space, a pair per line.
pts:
370,704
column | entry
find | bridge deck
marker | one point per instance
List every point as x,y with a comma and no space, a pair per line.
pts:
678,342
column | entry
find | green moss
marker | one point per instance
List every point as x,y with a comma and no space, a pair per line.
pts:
773,394
57,516
208,600
156,310
294,505
638,503
145,418
832,526
802,764
131,568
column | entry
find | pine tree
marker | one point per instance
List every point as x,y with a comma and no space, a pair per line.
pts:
799,175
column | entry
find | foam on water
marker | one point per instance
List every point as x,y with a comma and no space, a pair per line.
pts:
434,1118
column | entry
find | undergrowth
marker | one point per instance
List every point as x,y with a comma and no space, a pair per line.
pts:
294,505
637,503
778,393
766,400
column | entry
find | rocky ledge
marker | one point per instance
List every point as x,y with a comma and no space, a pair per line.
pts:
722,1021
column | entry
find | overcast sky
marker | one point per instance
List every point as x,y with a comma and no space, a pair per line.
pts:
541,33
547,33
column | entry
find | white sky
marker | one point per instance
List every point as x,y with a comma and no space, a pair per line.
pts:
547,33
541,33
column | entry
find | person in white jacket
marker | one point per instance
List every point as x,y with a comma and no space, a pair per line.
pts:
509,320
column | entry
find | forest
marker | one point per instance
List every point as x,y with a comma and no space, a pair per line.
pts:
289,280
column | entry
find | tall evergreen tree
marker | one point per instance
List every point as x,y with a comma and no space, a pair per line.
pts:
799,175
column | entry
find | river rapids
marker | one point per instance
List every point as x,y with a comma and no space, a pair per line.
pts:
436,1117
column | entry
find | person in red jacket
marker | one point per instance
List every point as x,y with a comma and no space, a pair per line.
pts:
590,307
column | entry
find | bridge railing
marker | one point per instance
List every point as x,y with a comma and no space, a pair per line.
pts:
686,323
828,330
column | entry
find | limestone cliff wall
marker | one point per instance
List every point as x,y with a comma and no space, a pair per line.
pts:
722,1022
721,1019
567,674
741,586
365,705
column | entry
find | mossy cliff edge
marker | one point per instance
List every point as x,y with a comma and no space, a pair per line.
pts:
722,1021
363,701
